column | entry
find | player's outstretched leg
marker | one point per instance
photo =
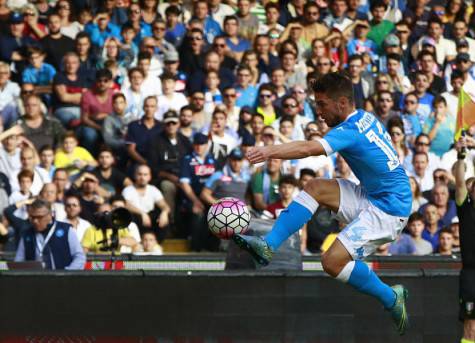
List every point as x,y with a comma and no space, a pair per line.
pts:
291,219
338,263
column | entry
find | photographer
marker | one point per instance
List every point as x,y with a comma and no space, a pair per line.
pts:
100,238
465,199
47,240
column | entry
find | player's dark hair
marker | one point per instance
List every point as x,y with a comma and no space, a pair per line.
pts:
414,217
288,179
335,85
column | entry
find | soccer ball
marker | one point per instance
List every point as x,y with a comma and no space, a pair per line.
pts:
227,217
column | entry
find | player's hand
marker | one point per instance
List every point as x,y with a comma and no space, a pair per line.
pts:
257,154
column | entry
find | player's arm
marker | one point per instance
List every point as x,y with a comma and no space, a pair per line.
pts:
287,151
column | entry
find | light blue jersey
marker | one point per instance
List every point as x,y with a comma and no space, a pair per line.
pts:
366,146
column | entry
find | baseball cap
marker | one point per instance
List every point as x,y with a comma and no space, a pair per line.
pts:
16,18
200,138
463,56
392,40
455,220
170,116
363,23
236,154
428,41
171,56
90,177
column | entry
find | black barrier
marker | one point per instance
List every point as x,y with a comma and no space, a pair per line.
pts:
223,307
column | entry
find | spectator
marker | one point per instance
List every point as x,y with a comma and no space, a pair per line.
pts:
290,108
421,172
25,180
428,64
415,225
230,182
265,107
88,191
73,157
446,242
396,131
55,44
175,29
171,148
384,105
95,239
46,155
337,17
141,132
115,126
191,51
68,89
361,44
236,45
432,228
272,13
403,245
111,180
96,104
220,135
49,193
201,13
170,100
195,170
265,185
440,126
293,75
149,244
380,27
287,188
29,159
49,241
101,28
10,151
33,28
9,94
410,118
60,179
417,199
147,201
445,206
248,22
185,121
451,97
361,87
72,206
38,73
68,28
422,145
87,60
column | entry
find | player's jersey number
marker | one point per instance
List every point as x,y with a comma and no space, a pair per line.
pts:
383,141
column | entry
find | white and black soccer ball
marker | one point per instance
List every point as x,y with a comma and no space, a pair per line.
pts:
227,217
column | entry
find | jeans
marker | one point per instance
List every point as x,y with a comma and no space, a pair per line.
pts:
66,114
89,138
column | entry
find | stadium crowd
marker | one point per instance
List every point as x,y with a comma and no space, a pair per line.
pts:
152,106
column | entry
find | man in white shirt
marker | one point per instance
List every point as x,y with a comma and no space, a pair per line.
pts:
423,176
72,205
445,48
28,161
143,199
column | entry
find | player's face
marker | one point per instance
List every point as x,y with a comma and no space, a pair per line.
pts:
328,109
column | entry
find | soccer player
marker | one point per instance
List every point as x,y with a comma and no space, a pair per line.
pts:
376,210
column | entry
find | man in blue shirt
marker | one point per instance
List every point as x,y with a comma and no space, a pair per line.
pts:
246,93
211,27
376,210
101,29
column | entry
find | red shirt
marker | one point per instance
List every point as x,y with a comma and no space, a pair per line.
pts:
275,208
91,105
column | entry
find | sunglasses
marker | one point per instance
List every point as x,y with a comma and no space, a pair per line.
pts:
170,123
220,45
199,99
196,38
159,28
229,95
265,95
422,144
394,133
29,14
63,7
274,35
289,106
323,64
382,82
410,102
135,11
71,205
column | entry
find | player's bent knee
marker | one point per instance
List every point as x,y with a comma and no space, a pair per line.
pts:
331,265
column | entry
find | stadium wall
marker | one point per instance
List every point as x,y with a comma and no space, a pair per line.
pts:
221,307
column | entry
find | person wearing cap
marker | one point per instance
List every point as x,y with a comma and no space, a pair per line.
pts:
360,43
195,169
465,65
228,182
15,41
169,148
445,48
391,45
